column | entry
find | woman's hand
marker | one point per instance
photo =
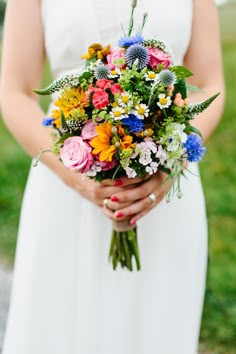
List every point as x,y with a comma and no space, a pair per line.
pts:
100,193
135,201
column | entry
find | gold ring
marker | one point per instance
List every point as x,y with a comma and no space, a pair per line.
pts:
105,201
152,197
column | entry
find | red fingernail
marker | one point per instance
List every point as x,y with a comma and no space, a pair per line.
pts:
130,215
133,222
114,199
118,182
119,214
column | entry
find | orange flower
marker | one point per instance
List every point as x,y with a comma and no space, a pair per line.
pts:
70,99
56,114
106,142
96,50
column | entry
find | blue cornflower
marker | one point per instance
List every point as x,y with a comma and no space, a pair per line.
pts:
47,121
128,41
134,124
194,148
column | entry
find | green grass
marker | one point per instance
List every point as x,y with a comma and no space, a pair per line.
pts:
14,167
219,177
218,334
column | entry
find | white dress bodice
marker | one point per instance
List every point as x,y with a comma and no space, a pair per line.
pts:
71,26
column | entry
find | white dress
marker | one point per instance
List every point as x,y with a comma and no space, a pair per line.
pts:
66,299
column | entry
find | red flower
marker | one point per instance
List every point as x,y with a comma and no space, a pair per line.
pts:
103,84
100,99
116,89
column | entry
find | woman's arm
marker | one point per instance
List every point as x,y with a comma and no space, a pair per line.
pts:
23,58
203,58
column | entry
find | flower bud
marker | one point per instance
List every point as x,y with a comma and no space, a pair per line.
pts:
114,130
117,144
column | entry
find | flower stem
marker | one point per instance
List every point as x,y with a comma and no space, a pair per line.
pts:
131,21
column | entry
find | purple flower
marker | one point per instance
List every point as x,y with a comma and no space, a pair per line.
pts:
194,148
134,124
128,41
47,121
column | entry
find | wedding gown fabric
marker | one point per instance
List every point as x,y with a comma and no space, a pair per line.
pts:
66,298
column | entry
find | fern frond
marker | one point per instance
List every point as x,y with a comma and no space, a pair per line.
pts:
196,108
71,78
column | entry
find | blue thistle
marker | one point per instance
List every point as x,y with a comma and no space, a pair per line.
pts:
137,54
101,72
128,41
167,77
194,148
47,121
134,124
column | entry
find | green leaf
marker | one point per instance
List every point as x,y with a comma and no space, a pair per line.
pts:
64,137
63,121
193,88
180,87
89,61
181,72
195,130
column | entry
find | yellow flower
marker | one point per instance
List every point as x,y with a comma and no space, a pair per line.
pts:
71,100
96,50
56,114
106,142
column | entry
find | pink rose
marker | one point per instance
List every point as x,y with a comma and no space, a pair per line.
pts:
116,58
116,89
106,165
158,57
100,99
76,154
89,130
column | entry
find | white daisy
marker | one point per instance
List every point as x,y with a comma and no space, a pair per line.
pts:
125,100
114,73
118,113
141,111
151,76
164,101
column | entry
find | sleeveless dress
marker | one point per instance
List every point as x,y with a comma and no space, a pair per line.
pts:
66,298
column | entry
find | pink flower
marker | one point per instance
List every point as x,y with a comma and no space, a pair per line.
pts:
89,130
158,57
116,89
116,58
100,99
76,154
106,165
89,91
103,84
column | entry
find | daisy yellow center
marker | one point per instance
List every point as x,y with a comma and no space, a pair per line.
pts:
141,110
163,101
117,114
125,99
113,72
115,104
151,75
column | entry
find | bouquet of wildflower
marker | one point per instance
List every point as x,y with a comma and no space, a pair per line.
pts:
126,114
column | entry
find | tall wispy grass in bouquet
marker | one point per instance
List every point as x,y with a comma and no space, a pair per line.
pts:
126,113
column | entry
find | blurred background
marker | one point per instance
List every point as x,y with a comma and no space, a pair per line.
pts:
218,332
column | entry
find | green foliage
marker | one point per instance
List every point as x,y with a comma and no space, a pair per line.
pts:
180,87
2,11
